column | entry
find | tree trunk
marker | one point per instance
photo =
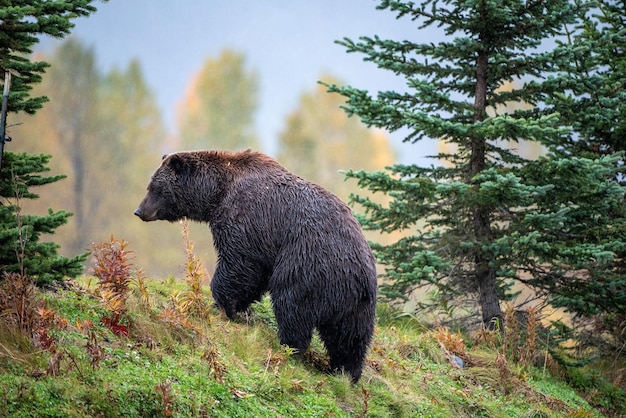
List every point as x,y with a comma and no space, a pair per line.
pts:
78,169
484,274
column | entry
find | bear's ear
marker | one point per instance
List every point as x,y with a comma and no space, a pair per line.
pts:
179,164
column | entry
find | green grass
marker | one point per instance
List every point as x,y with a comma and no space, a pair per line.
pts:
163,370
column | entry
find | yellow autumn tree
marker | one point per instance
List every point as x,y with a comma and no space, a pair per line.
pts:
319,142
218,109
105,132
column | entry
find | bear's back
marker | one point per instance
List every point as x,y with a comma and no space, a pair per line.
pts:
273,205
264,187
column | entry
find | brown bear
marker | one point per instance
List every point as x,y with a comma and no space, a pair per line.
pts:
276,232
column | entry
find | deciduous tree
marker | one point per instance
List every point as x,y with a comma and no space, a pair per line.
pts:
72,83
111,137
218,109
319,142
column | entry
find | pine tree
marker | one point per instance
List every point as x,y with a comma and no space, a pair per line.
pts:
488,218
20,249
593,102
20,25
594,82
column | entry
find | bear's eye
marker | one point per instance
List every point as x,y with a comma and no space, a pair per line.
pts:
153,189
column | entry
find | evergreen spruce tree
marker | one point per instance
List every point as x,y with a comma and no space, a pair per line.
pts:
487,218
20,249
593,103
594,82
21,22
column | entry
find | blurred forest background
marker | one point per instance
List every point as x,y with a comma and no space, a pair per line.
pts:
110,137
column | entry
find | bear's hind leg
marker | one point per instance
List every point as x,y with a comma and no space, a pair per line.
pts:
293,330
347,345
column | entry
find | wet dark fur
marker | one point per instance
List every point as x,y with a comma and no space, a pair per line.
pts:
276,232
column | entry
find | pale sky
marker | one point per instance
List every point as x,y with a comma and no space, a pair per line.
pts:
289,43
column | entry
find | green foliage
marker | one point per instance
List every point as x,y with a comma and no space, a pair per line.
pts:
593,84
488,217
21,23
579,228
20,248
593,102
605,395
25,170
217,367
224,368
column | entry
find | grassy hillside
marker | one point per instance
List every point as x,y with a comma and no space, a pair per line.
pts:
156,348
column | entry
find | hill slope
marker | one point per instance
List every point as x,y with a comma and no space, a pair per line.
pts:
169,353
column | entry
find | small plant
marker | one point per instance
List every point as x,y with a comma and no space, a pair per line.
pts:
116,307
18,303
192,301
44,340
275,359
453,344
164,390
488,337
528,351
216,366
521,334
176,319
47,320
366,398
95,351
113,268
505,374
511,333
140,285
296,385
54,363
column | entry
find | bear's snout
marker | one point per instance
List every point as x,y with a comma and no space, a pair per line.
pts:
145,214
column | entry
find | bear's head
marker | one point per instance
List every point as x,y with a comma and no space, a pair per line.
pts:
185,185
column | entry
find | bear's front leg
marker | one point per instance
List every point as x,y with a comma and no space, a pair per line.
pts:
236,285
